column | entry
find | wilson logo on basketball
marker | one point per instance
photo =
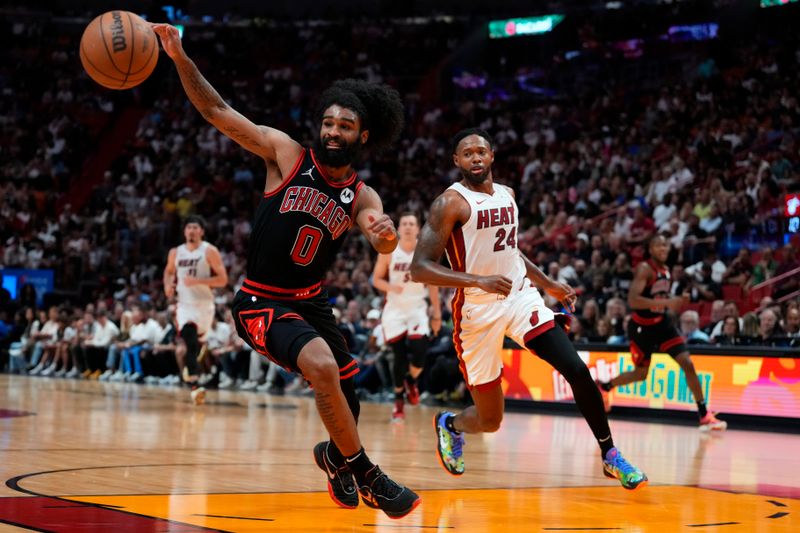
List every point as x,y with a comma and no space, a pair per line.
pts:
118,32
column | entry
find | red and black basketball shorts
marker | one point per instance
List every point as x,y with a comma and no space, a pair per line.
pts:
279,329
662,337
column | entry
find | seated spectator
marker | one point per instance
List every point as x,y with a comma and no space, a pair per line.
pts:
601,332
690,328
616,312
717,314
730,332
791,324
589,315
104,332
729,309
769,330
718,268
740,270
764,269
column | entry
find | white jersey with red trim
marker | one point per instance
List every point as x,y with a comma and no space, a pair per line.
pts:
193,263
486,245
413,295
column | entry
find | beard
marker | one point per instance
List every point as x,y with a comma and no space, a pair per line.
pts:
343,157
476,179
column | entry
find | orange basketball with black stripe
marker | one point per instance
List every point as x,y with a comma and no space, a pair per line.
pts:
119,50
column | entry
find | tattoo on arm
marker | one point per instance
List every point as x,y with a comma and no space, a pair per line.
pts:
241,137
204,97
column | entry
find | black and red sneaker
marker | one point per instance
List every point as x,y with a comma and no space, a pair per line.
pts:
341,485
379,492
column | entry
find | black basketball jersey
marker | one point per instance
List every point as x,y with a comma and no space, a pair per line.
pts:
298,230
657,288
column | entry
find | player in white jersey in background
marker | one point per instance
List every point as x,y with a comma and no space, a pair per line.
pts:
405,316
193,269
476,222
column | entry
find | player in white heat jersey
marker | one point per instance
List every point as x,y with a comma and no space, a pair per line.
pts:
405,316
194,268
476,222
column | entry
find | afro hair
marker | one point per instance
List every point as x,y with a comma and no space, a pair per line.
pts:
377,105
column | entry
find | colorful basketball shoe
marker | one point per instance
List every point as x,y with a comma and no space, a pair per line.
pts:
341,485
449,445
615,466
712,423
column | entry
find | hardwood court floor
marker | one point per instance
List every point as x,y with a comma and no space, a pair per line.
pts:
96,457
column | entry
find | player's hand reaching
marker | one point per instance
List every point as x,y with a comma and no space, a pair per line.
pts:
563,293
170,39
495,284
169,290
383,227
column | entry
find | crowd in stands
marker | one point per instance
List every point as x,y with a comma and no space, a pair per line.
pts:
703,157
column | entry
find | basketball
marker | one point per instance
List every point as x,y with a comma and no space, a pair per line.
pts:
119,50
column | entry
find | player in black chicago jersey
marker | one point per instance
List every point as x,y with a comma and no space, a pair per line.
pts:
311,198
651,329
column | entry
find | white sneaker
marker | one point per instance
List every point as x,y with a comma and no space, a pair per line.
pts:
49,371
134,378
248,385
119,375
151,380
60,373
35,371
74,373
199,396
226,382
105,376
204,379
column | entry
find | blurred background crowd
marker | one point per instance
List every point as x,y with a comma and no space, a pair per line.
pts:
611,129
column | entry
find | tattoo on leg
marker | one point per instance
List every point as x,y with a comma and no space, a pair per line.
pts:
327,412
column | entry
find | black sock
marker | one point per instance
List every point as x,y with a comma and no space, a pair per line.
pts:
701,409
359,464
606,385
398,396
605,445
449,424
410,379
334,455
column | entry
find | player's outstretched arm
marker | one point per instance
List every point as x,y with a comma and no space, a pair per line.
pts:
261,140
448,210
376,225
